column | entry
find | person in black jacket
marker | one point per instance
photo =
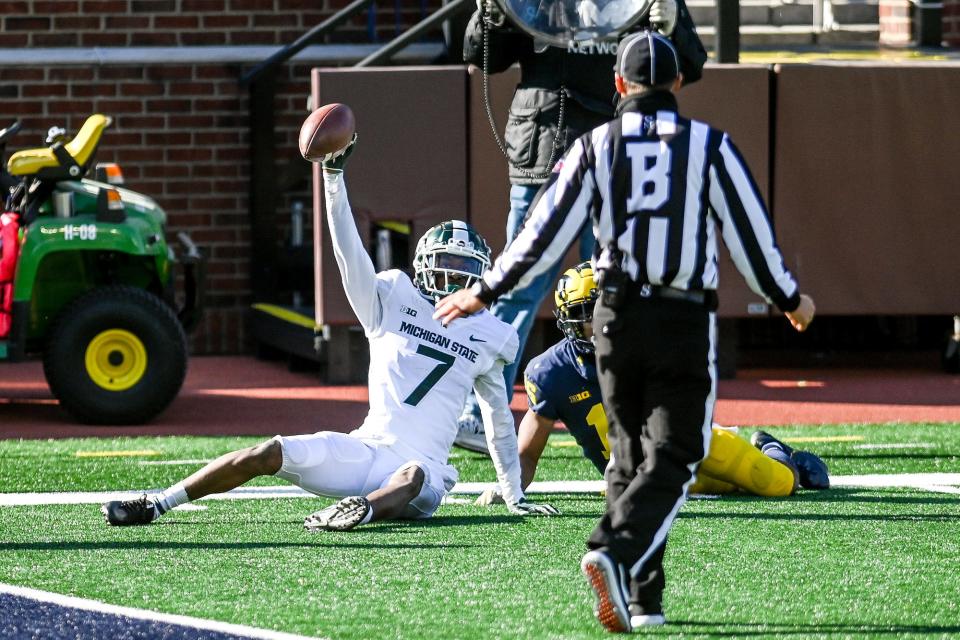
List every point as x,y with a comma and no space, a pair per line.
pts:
563,93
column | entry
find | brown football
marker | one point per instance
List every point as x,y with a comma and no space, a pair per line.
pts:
326,130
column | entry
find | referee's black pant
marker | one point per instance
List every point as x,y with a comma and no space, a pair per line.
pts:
656,363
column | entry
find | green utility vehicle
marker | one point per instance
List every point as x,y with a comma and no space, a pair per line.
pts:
87,281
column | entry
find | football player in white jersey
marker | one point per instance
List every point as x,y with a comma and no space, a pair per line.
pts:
395,464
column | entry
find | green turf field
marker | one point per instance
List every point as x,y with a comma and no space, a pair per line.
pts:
849,562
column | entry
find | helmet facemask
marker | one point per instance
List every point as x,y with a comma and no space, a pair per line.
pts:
449,257
576,296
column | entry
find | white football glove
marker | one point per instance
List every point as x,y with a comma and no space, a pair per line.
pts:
490,496
663,16
524,508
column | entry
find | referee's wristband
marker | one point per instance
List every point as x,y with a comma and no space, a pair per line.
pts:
483,292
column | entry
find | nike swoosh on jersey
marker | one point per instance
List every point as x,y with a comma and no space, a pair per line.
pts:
475,339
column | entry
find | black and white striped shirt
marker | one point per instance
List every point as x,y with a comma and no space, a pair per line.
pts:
660,188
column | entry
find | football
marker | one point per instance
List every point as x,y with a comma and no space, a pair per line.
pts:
326,130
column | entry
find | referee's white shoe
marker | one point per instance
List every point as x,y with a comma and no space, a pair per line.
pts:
647,620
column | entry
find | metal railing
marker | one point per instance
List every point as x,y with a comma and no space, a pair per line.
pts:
427,24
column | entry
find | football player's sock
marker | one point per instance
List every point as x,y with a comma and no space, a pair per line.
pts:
172,497
367,518
733,459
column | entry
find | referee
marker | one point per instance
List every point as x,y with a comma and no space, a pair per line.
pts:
659,188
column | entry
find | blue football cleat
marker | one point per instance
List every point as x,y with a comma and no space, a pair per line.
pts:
812,471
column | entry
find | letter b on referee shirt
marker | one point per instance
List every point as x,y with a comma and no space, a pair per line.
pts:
651,175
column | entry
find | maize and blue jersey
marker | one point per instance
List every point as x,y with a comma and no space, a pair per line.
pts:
562,385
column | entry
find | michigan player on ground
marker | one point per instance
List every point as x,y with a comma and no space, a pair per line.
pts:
562,385
395,464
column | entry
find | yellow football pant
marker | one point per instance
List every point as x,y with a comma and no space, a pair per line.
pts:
733,463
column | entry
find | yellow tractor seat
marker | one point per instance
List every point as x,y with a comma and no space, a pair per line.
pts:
46,162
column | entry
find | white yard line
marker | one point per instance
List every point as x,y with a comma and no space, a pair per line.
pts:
150,616
896,445
936,482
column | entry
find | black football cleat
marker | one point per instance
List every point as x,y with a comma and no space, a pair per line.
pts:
760,439
128,513
341,516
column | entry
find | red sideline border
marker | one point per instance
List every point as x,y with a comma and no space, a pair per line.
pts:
244,396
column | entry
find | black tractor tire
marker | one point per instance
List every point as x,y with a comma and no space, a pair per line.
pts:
116,356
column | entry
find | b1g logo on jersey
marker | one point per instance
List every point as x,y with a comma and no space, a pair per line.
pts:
410,312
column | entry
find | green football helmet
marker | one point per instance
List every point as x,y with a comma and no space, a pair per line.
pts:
450,256
575,297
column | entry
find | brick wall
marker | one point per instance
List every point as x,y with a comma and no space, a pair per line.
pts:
144,23
951,22
896,26
896,23
180,131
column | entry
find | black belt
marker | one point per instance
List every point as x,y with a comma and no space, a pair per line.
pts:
703,298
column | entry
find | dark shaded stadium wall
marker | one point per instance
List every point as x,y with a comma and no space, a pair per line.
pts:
856,164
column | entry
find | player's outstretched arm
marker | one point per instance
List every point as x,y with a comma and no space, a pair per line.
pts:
356,269
502,442
531,439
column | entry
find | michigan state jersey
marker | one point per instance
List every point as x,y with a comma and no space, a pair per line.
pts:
421,372
562,385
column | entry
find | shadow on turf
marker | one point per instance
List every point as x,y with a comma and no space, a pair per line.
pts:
727,629
793,517
899,456
836,496
867,494
460,521
849,494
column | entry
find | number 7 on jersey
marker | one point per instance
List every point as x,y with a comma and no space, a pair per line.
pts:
446,361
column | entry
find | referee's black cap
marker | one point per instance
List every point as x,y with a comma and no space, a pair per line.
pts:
647,58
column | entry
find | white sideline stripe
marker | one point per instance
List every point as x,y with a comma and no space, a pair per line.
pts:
936,482
942,489
262,493
896,445
190,506
150,616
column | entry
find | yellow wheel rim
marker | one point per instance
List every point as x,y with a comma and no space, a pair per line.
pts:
116,360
